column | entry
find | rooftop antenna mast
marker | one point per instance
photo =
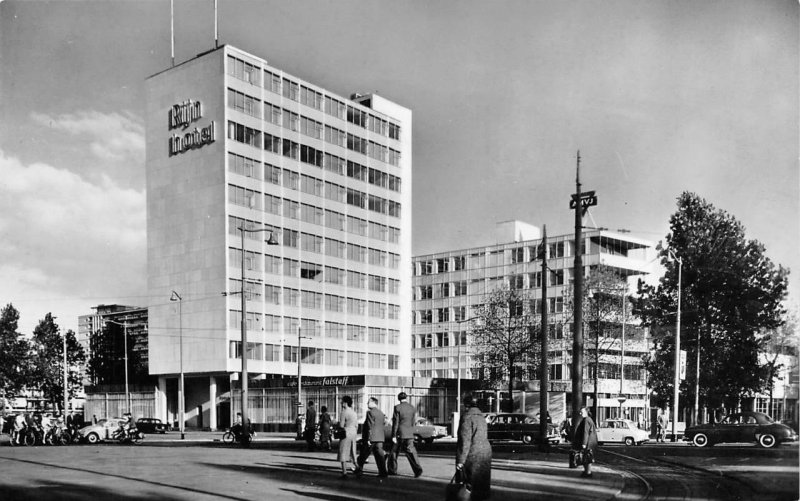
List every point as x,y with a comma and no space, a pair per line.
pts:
216,29
172,29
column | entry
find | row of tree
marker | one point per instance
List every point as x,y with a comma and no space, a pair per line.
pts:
732,305
37,364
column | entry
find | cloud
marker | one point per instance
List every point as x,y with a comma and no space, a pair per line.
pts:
114,137
67,243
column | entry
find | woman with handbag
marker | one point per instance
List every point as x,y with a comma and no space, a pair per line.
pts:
474,453
325,429
347,444
585,441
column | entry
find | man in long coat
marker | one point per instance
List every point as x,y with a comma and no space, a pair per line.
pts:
474,453
311,425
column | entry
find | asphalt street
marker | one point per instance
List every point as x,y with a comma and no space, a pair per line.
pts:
277,467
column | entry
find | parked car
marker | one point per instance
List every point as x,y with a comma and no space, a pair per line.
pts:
621,431
151,425
741,427
103,430
519,426
426,431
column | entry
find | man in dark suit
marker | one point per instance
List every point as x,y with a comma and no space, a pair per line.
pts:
372,437
311,425
403,435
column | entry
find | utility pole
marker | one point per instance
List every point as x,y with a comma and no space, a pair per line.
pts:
577,325
66,389
544,445
580,202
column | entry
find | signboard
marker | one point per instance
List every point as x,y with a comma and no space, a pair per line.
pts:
683,365
181,116
587,199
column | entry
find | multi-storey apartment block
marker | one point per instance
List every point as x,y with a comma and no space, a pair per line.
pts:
232,143
449,285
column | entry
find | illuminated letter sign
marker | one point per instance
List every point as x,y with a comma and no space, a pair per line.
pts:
181,116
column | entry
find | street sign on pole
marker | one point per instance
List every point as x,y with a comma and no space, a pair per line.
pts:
683,365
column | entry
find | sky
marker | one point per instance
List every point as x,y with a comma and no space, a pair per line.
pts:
660,97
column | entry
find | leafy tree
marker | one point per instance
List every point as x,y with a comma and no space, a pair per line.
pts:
14,352
502,337
48,360
730,292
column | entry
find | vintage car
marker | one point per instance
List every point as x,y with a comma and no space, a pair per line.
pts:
621,431
518,426
151,425
741,427
424,430
103,430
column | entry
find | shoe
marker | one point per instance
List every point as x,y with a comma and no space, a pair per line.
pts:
343,476
417,474
358,472
586,475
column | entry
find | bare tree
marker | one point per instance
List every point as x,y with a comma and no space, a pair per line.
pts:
505,336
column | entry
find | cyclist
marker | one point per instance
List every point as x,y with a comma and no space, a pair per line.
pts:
125,425
237,428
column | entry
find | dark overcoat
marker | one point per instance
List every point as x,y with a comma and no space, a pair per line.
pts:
475,453
585,434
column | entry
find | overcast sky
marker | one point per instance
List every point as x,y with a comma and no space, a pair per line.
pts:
659,96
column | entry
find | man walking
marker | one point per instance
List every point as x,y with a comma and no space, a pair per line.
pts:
372,438
403,435
311,425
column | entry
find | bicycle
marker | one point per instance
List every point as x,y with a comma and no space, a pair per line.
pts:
231,436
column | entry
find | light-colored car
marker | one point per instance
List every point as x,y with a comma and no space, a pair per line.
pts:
425,430
621,431
103,430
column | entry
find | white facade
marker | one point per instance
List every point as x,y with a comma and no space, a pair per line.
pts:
233,142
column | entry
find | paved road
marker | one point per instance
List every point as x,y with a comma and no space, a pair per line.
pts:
278,468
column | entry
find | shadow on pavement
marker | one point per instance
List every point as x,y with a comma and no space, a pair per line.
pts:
45,490
311,480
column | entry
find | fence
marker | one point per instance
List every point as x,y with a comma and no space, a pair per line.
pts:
109,405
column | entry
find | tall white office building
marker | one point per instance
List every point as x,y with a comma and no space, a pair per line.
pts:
232,143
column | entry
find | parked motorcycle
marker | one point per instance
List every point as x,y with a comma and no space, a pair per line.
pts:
133,436
230,436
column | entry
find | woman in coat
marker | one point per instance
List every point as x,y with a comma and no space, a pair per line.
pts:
474,453
585,440
325,428
347,445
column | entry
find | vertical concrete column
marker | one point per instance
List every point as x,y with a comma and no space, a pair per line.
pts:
212,403
497,401
161,399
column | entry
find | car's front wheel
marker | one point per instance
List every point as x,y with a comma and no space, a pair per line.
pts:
92,438
767,441
701,440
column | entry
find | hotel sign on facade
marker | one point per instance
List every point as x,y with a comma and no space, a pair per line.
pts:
182,116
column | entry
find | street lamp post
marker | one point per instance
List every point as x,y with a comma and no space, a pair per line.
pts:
66,390
677,375
181,389
299,372
622,397
245,424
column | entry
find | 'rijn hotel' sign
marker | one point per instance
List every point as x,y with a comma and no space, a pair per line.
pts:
181,116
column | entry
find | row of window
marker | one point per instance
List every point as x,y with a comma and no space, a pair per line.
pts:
494,258
286,147
313,243
457,313
436,291
289,89
314,356
439,339
290,120
288,326
308,213
450,314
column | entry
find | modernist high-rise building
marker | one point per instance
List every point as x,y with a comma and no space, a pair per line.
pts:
233,143
448,286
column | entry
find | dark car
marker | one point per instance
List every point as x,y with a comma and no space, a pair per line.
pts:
151,425
518,426
741,427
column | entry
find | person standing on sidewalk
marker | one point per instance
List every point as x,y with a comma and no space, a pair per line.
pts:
403,435
311,425
474,452
372,438
324,429
585,440
347,444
